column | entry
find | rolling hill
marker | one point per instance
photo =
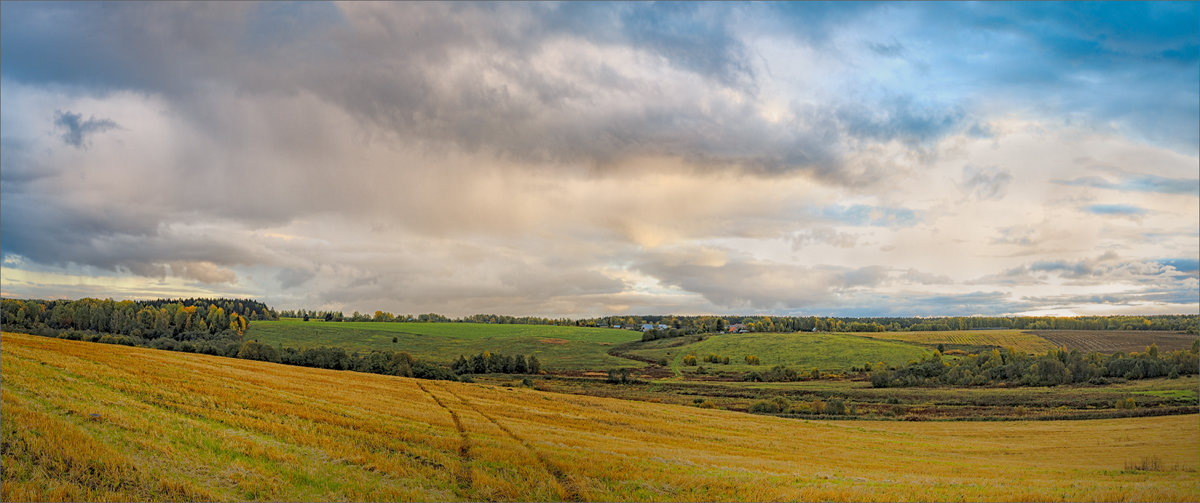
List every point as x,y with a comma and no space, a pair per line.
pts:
557,347
88,422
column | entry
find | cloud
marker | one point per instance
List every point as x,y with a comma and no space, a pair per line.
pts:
983,183
1123,210
1139,183
823,236
1106,269
1183,265
877,216
588,157
78,130
901,118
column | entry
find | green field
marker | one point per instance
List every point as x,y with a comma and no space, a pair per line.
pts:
825,351
558,348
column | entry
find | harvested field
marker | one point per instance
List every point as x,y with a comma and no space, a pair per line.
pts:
1111,341
84,421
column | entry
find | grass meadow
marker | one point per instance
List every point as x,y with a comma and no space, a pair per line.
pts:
558,348
100,422
803,350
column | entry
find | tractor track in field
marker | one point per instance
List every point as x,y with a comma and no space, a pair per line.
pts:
569,488
464,448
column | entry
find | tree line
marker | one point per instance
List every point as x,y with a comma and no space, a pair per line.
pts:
689,325
1052,368
184,319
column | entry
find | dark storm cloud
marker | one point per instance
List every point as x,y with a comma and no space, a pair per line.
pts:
77,130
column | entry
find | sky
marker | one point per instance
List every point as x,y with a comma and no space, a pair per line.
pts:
586,159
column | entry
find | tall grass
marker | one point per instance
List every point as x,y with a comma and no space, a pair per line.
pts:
87,422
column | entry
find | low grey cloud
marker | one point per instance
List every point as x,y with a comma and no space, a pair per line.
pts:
922,303
823,236
1179,296
76,130
985,183
1108,268
292,277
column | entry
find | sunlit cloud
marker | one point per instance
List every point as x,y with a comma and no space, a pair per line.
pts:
590,158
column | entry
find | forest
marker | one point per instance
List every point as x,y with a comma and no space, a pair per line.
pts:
1049,369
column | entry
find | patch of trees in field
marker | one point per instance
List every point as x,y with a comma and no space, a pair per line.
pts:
1049,369
184,319
781,373
656,334
781,405
488,363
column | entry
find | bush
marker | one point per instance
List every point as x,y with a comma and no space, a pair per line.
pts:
254,350
752,360
835,406
619,376
689,360
764,407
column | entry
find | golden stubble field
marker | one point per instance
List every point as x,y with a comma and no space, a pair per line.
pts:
85,421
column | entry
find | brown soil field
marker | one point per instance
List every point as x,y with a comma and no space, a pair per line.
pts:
1111,341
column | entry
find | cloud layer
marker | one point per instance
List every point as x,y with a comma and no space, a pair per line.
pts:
582,159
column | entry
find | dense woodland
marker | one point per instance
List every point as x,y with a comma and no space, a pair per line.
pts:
185,319
1052,368
687,325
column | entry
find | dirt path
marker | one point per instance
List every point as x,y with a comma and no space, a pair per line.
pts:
567,487
464,449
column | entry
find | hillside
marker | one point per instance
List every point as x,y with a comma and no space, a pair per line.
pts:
557,347
88,422
803,350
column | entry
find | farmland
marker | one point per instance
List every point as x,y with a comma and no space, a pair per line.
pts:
1152,397
557,347
974,340
1112,341
824,351
82,421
